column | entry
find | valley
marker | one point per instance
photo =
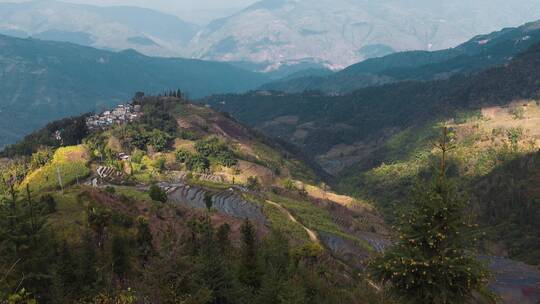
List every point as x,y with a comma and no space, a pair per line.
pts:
204,162
306,152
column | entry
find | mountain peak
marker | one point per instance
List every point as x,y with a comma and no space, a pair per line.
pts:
344,32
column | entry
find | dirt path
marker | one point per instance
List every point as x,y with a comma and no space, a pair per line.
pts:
312,235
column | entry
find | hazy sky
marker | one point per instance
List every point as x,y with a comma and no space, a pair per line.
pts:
206,9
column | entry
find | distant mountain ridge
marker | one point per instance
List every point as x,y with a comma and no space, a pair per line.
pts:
317,123
116,27
272,35
338,33
477,54
42,80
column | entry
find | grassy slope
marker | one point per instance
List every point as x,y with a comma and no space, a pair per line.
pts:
267,160
482,147
69,162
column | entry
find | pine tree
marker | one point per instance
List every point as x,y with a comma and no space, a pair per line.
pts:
27,247
222,238
87,272
65,275
249,273
208,201
98,219
120,258
213,268
276,260
144,239
433,260
172,276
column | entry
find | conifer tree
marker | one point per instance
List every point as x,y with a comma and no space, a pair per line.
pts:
87,272
249,273
433,261
144,239
98,219
222,238
26,247
208,201
65,275
120,258
214,271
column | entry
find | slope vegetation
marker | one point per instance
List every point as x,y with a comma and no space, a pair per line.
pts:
41,81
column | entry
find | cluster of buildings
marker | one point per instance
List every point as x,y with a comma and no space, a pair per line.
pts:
123,113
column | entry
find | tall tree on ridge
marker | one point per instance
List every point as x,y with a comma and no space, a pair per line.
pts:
433,261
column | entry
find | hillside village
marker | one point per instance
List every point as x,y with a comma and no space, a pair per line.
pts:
123,113
278,152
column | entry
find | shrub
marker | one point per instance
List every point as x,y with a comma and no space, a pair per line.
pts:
159,163
41,158
183,155
210,146
517,112
137,156
226,158
158,139
121,219
289,184
197,163
253,183
49,203
157,194
110,189
216,150
514,136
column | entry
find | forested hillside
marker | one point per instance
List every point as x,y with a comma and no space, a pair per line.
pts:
378,141
177,203
317,123
41,81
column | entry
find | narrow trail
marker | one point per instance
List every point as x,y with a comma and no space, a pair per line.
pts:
312,234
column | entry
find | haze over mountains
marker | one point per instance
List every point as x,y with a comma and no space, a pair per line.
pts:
481,52
44,80
115,28
273,33
271,177
338,33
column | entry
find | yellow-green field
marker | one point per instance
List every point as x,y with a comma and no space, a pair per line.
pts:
68,162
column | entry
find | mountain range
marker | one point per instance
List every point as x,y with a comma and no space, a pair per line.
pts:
44,80
287,193
113,28
319,123
272,34
477,54
339,33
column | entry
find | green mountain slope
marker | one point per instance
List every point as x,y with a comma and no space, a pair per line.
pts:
318,123
162,202
171,192
41,81
377,142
